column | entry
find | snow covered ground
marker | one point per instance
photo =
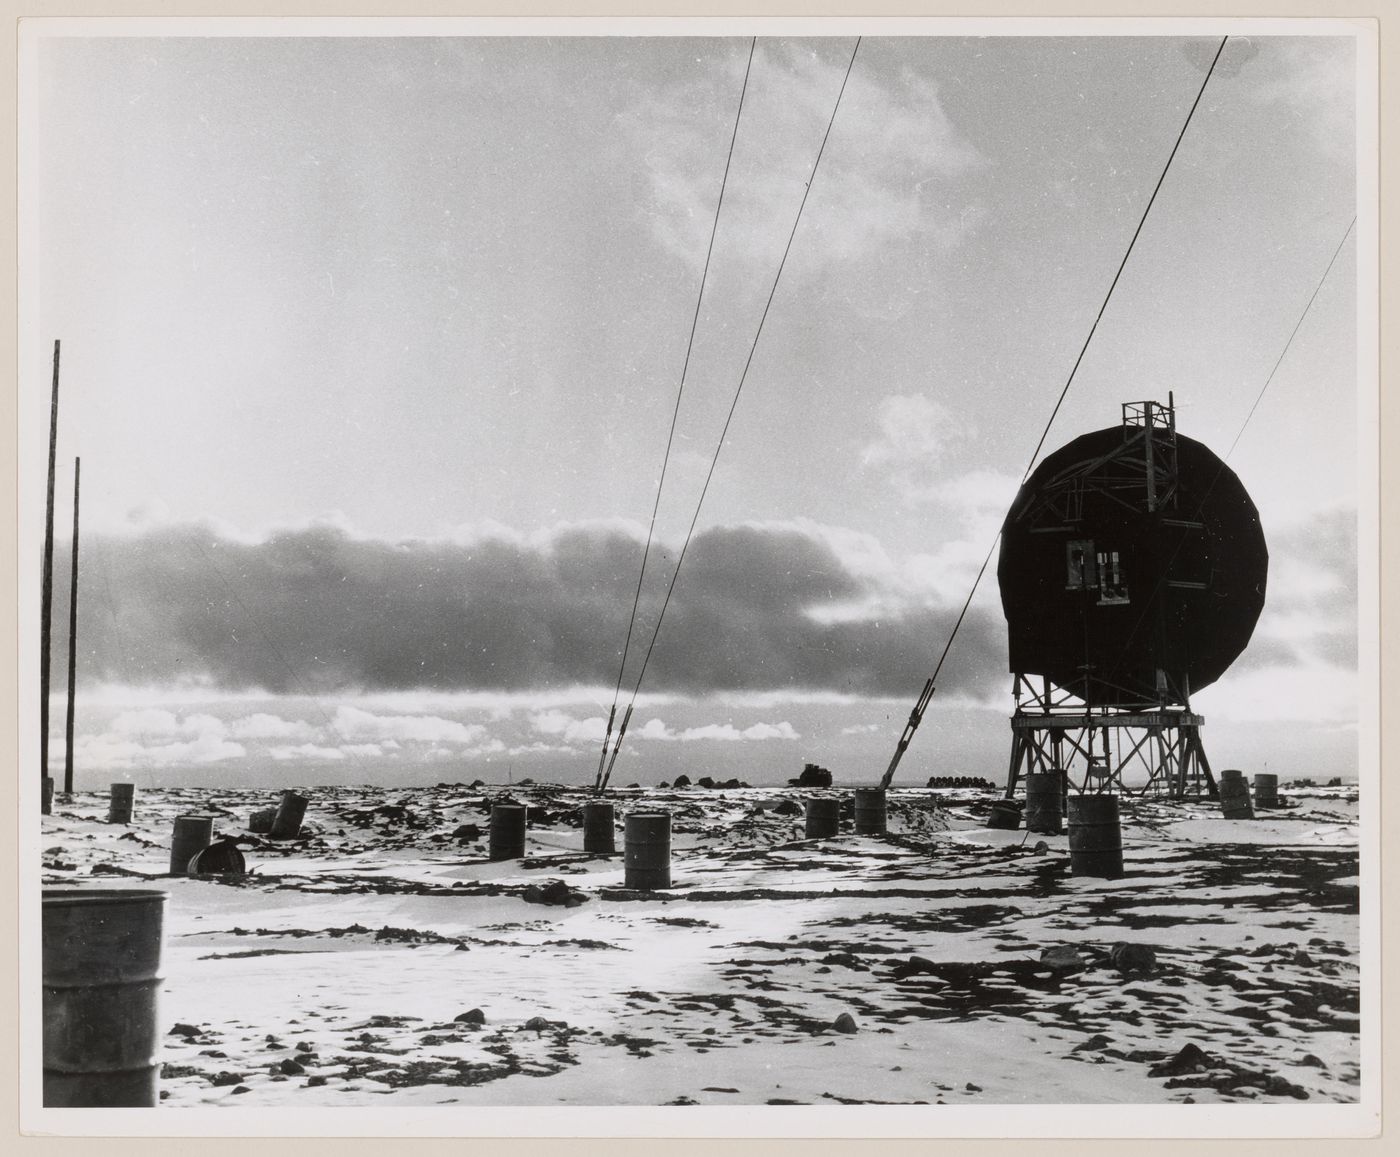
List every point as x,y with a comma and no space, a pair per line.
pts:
380,959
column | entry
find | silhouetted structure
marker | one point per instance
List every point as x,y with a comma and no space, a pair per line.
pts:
1132,572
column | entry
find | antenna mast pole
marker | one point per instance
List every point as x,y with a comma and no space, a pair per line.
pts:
72,637
46,626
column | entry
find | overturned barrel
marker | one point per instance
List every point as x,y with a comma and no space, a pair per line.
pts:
507,835
599,834
870,817
1005,813
192,834
823,818
46,796
1043,802
123,803
221,858
1095,837
646,851
1234,796
260,822
286,824
1266,790
101,962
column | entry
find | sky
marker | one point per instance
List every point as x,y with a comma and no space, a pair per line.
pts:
371,348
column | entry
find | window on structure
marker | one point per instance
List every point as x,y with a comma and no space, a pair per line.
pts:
1080,571
1113,583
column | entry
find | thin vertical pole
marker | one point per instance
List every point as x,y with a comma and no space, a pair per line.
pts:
72,636
46,627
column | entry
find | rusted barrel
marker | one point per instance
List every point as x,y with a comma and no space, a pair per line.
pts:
286,824
1005,814
1095,837
823,818
1266,790
870,819
1043,802
101,952
46,796
1234,796
123,803
507,838
260,822
192,834
646,850
598,828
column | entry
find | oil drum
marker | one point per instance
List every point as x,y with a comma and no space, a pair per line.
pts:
599,835
507,835
192,834
101,954
123,803
1234,796
647,850
1043,802
1005,814
870,819
286,824
823,818
1095,837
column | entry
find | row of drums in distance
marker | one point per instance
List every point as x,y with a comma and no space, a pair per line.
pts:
647,835
646,840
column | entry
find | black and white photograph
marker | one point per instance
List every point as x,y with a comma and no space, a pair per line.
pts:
756,575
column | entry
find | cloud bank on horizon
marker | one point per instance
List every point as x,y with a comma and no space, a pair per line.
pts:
317,610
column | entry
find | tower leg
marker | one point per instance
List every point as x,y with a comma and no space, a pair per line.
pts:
1018,749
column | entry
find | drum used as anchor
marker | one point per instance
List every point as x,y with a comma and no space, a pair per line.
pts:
870,817
123,803
599,830
1234,795
823,818
507,837
647,851
1095,837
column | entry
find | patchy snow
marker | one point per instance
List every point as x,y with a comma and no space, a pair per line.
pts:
337,972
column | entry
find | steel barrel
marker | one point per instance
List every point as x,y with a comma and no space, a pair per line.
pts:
101,961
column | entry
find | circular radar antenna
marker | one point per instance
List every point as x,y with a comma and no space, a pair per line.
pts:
1132,572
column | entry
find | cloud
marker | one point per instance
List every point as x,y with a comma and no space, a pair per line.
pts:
569,729
503,617
656,729
262,725
883,177
146,738
353,723
915,434
1310,610
1314,77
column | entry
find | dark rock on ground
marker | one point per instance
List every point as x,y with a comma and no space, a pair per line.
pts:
471,1016
845,1023
1190,1059
1062,958
554,892
788,807
1133,959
